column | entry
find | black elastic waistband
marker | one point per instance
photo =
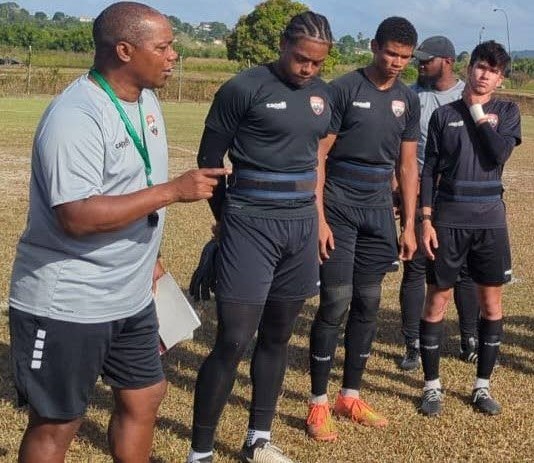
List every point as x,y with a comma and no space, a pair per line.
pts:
273,185
470,191
359,176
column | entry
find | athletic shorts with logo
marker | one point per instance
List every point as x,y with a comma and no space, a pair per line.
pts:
365,242
486,252
267,259
56,364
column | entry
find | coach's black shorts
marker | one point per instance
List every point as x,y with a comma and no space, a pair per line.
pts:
365,241
267,258
486,252
56,363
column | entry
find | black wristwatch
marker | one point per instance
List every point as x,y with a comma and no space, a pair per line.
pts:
424,217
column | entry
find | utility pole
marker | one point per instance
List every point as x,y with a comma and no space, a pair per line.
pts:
29,74
180,73
508,38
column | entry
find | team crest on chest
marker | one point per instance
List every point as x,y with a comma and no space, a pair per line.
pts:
151,124
493,120
398,107
317,105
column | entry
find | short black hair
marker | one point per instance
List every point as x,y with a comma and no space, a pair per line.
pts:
493,53
308,25
396,29
122,21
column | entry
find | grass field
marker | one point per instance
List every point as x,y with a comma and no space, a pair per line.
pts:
458,435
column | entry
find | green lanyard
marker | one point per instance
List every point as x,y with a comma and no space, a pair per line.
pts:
139,144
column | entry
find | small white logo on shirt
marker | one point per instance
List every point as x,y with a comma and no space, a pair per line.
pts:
456,124
398,107
151,124
493,119
317,105
280,105
362,104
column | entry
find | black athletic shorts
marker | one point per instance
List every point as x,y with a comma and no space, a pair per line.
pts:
486,252
365,241
56,363
267,258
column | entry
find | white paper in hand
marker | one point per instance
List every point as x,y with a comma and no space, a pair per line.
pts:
177,319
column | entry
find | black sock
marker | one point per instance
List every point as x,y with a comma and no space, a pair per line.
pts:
489,340
430,339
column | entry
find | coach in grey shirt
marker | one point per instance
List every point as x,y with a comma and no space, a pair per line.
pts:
81,301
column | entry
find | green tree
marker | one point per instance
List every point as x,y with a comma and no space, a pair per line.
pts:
362,42
59,16
10,11
40,16
346,45
218,31
525,65
256,37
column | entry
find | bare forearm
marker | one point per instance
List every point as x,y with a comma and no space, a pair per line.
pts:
319,189
409,184
103,213
99,214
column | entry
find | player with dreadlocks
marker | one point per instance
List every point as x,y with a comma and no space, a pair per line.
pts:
270,120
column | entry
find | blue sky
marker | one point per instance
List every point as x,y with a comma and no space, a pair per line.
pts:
463,21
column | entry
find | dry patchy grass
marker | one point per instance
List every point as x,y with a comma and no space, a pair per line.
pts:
458,435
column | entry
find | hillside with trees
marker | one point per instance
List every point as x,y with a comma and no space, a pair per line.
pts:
19,28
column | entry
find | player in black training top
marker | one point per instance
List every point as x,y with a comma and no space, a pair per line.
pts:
270,119
375,122
469,142
436,85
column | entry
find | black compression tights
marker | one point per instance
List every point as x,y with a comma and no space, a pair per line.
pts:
360,329
237,324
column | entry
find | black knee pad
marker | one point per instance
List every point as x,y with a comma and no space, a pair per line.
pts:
334,303
236,331
366,299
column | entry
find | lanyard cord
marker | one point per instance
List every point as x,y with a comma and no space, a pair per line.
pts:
139,144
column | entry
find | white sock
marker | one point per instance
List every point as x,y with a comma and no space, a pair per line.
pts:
345,392
253,435
433,384
319,399
197,455
481,382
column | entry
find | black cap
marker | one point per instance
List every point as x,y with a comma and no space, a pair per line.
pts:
433,47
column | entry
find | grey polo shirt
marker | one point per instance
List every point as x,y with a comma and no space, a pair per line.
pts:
81,149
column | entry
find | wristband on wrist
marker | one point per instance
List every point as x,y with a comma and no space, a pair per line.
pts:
477,112
424,217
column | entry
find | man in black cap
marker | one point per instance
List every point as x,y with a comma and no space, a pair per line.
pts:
436,85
